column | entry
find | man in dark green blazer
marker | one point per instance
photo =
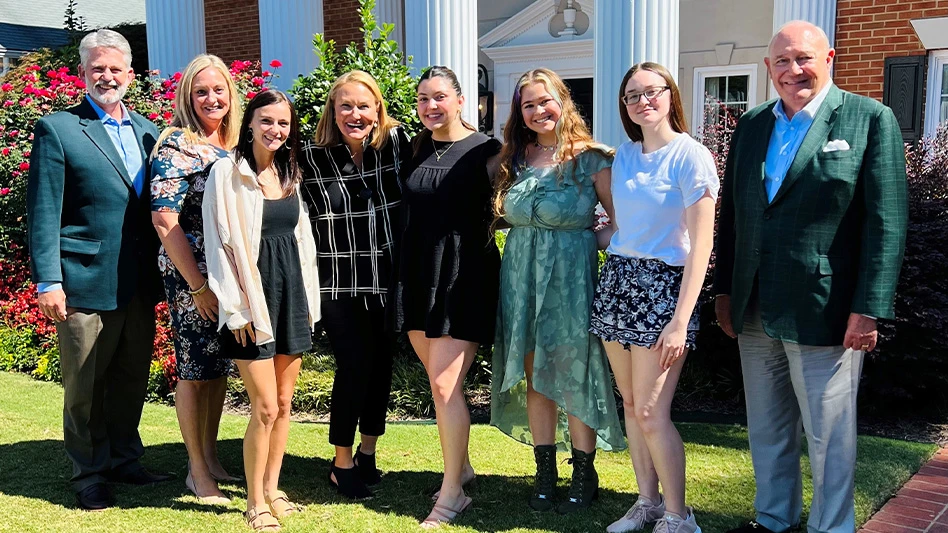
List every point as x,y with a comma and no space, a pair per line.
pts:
811,235
94,260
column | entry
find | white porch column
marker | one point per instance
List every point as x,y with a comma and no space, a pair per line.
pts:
175,34
444,32
819,12
392,11
629,32
286,34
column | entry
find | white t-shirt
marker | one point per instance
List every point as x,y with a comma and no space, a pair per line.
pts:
650,193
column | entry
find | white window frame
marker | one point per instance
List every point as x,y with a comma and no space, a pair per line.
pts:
937,59
701,73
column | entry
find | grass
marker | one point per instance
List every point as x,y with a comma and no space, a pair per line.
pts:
34,472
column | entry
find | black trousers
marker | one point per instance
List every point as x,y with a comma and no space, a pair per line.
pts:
363,351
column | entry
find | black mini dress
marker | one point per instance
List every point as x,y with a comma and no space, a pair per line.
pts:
279,265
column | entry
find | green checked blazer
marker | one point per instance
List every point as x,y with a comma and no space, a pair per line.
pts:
87,228
831,242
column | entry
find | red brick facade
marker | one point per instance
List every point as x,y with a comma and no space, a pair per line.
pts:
341,21
868,31
232,29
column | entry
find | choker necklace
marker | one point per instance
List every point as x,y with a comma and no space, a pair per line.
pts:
544,148
440,154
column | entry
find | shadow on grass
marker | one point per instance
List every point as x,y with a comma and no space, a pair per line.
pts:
40,470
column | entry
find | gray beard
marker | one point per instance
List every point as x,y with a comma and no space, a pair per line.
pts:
108,100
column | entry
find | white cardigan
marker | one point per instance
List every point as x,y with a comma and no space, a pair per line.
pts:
233,217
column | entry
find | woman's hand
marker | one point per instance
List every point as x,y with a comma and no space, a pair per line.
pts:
671,343
244,334
206,305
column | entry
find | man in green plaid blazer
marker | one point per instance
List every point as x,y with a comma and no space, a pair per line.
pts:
810,241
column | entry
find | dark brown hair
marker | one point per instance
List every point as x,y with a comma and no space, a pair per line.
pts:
438,71
676,115
286,157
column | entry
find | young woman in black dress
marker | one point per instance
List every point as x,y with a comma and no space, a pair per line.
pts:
261,265
449,267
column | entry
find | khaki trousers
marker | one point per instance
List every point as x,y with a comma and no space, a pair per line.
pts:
105,357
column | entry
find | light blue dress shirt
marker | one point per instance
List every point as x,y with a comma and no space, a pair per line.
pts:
126,144
786,139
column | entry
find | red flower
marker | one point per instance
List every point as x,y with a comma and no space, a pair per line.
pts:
5,152
152,116
7,103
6,87
167,116
276,63
71,93
250,95
81,84
4,191
257,80
266,74
27,153
24,166
176,76
52,74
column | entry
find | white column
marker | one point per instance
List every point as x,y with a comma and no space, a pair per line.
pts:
444,32
392,11
286,34
175,34
819,12
629,32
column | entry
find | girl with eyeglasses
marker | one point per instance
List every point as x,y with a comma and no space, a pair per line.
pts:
664,188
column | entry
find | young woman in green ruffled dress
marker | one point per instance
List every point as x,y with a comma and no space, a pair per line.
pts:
551,380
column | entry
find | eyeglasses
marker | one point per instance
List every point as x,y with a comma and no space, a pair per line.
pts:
650,94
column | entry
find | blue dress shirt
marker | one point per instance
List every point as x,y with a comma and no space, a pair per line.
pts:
786,139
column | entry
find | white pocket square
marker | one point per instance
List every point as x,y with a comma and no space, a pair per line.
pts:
838,145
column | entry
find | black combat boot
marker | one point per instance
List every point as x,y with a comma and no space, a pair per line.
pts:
544,484
584,488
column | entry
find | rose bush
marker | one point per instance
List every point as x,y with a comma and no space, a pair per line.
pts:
29,92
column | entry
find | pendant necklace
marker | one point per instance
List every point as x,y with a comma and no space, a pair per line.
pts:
544,148
440,154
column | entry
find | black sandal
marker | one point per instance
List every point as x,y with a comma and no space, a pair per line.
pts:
365,465
348,483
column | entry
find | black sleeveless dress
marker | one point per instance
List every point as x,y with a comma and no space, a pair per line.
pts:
279,265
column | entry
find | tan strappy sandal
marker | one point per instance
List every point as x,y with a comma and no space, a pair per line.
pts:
281,506
442,514
261,520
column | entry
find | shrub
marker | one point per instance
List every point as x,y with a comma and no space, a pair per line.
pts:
378,55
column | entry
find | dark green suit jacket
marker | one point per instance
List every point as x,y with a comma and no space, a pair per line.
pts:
831,242
87,228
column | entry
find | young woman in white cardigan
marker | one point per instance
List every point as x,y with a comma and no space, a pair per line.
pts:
261,265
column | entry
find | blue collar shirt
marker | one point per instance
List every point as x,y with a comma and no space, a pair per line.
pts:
786,139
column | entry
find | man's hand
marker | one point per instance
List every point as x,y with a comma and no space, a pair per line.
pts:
722,309
53,304
861,333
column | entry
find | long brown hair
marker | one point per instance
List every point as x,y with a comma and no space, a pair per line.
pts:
676,115
570,130
438,71
327,134
287,156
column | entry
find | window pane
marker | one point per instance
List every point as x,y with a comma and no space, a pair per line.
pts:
737,88
943,109
715,87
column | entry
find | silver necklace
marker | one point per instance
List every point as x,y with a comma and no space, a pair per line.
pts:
544,148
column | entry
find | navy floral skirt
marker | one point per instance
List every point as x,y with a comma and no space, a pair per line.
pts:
636,299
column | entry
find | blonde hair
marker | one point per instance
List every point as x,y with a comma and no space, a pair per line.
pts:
186,118
570,131
327,134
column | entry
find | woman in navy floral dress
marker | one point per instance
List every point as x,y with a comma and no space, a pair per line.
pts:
206,122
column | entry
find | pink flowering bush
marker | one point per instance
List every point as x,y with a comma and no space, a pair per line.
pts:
28,93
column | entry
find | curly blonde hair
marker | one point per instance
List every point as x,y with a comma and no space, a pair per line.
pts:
571,133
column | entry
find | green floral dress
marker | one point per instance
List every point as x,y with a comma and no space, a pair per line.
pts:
548,278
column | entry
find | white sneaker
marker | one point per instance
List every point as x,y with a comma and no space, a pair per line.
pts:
672,523
643,512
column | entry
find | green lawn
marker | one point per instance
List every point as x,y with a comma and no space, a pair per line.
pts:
34,493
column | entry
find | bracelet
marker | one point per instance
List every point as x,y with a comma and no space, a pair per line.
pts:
200,291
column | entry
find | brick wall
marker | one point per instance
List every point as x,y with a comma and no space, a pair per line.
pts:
341,21
868,31
232,29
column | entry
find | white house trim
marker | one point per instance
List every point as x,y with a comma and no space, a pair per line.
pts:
701,73
937,59
536,13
